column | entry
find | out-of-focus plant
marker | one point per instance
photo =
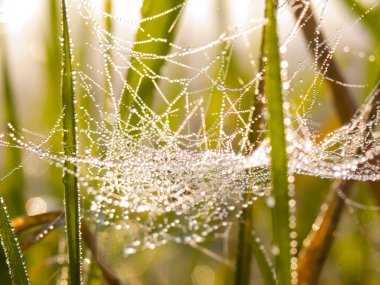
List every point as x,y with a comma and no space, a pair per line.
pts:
150,51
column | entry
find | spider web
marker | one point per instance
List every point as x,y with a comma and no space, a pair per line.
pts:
179,169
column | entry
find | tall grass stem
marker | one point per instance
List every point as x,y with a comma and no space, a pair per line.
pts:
72,196
273,92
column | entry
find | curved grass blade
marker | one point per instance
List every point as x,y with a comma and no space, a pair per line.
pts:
72,197
14,194
140,75
318,243
273,91
11,248
263,261
24,223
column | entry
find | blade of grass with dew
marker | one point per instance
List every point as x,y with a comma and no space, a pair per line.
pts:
14,194
317,245
273,92
51,221
24,223
139,78
263,261
72,196
215,107
11,248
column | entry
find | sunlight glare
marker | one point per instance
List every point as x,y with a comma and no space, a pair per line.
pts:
15,14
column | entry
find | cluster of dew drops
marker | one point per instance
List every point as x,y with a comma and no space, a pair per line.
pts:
155,183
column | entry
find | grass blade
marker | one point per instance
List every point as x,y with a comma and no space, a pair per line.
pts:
11,248
72,197
266,269
14,195
50,221
107,4
163,27
24,223
273,91
318,243
244,250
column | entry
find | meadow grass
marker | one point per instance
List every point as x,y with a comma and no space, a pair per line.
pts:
139,86
15,262
72,196
273,91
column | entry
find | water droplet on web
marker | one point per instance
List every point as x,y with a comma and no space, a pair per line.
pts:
275,250
270,201
178,169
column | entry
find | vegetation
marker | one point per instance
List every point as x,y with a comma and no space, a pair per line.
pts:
182,160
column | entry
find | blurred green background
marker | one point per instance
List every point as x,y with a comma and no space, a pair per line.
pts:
30,99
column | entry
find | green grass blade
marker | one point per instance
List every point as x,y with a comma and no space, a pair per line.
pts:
163,27
108,9
14,194
244,249
263,261
107,4
72,196
11,248
273,91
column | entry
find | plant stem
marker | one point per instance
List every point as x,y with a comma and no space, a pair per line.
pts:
139,79
108,26
318,243
273,91
265,267
11,248
23,223
244,248
72,197
55,219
